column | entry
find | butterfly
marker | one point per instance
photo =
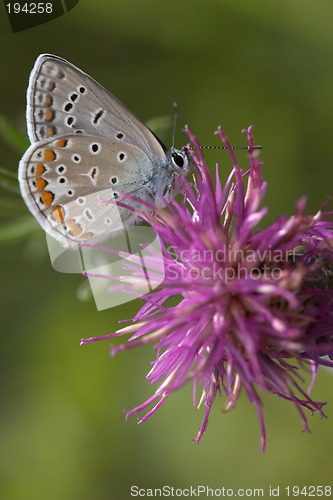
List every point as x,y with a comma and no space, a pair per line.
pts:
88,151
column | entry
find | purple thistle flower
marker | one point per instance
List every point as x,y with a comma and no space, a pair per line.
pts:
255,304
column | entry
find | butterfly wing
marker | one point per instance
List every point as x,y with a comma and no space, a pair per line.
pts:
71,185
62,99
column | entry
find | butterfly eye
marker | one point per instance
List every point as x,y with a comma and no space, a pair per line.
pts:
178,159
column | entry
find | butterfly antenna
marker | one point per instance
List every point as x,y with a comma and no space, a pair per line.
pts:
175,118
235,148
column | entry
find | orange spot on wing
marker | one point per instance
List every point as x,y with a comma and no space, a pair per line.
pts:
50,131
48,101
47,197
85,236
58,214
61,143
74,228
40,169
40,184
49,115
49,155
51,86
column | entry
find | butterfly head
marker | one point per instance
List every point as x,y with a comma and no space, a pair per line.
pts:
181,161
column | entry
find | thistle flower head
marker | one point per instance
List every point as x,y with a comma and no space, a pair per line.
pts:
254,303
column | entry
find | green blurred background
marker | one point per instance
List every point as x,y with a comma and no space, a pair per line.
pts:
62,430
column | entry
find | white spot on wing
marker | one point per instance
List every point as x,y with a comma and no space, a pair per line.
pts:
76,158
81,200
93,175
95,148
